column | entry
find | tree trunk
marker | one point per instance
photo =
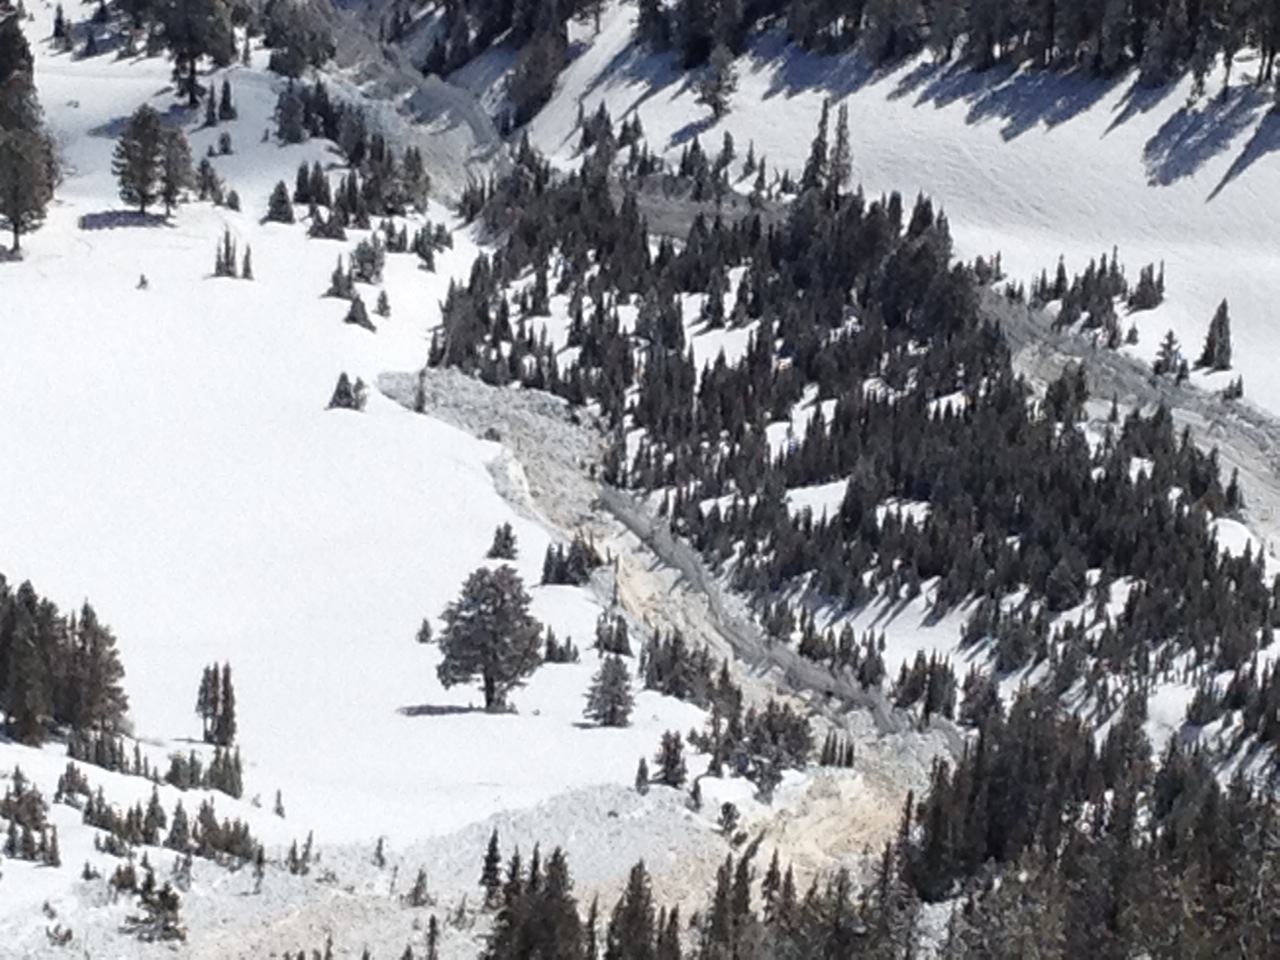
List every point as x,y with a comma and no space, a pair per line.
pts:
491,700
16,232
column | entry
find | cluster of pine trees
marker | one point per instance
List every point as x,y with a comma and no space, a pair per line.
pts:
216,705
56,671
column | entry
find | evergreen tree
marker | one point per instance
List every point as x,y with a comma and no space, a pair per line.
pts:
609,701
488,632
631,933
226,109
642,777
101,700
207,701
670,760
358,315
491,872
1217,344
504,544
138,161
718,82
815,168
224,724
176,172
279,207
27,174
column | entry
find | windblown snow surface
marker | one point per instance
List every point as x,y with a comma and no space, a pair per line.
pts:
167,454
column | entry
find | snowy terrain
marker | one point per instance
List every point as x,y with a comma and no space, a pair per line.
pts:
168,456
1029,165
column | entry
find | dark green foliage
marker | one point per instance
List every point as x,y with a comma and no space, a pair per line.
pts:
609,700
1217,344
612,635
358,316
491,872
224,260
138,160
488,632
28,171
670,760
160,919
349,396
539,915
718,82
226,109
504,544
216,705
56,670
573,566
279,206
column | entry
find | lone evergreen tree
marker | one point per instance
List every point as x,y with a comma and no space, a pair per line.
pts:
609,701
488,632
27,174
718,82
1217,345
504,544
279,207
139,158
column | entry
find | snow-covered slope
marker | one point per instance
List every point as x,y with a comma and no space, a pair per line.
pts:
168,454
1031,165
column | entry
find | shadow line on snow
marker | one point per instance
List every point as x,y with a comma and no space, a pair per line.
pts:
116,219
1196,133
1265,140
436,710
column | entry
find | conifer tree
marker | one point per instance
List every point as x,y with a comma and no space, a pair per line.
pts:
226,109
814,176
504,543
631,933
1217,344
139,158
670,760
489,633
101,700
718,82
491,872
642,777
224,725
609,700
176,172
357,315
27,174
279,207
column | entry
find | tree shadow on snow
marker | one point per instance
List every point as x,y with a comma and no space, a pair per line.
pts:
176,115
1196,134
436,710
1139,99
692,129
116,219
1022,99
1265,140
